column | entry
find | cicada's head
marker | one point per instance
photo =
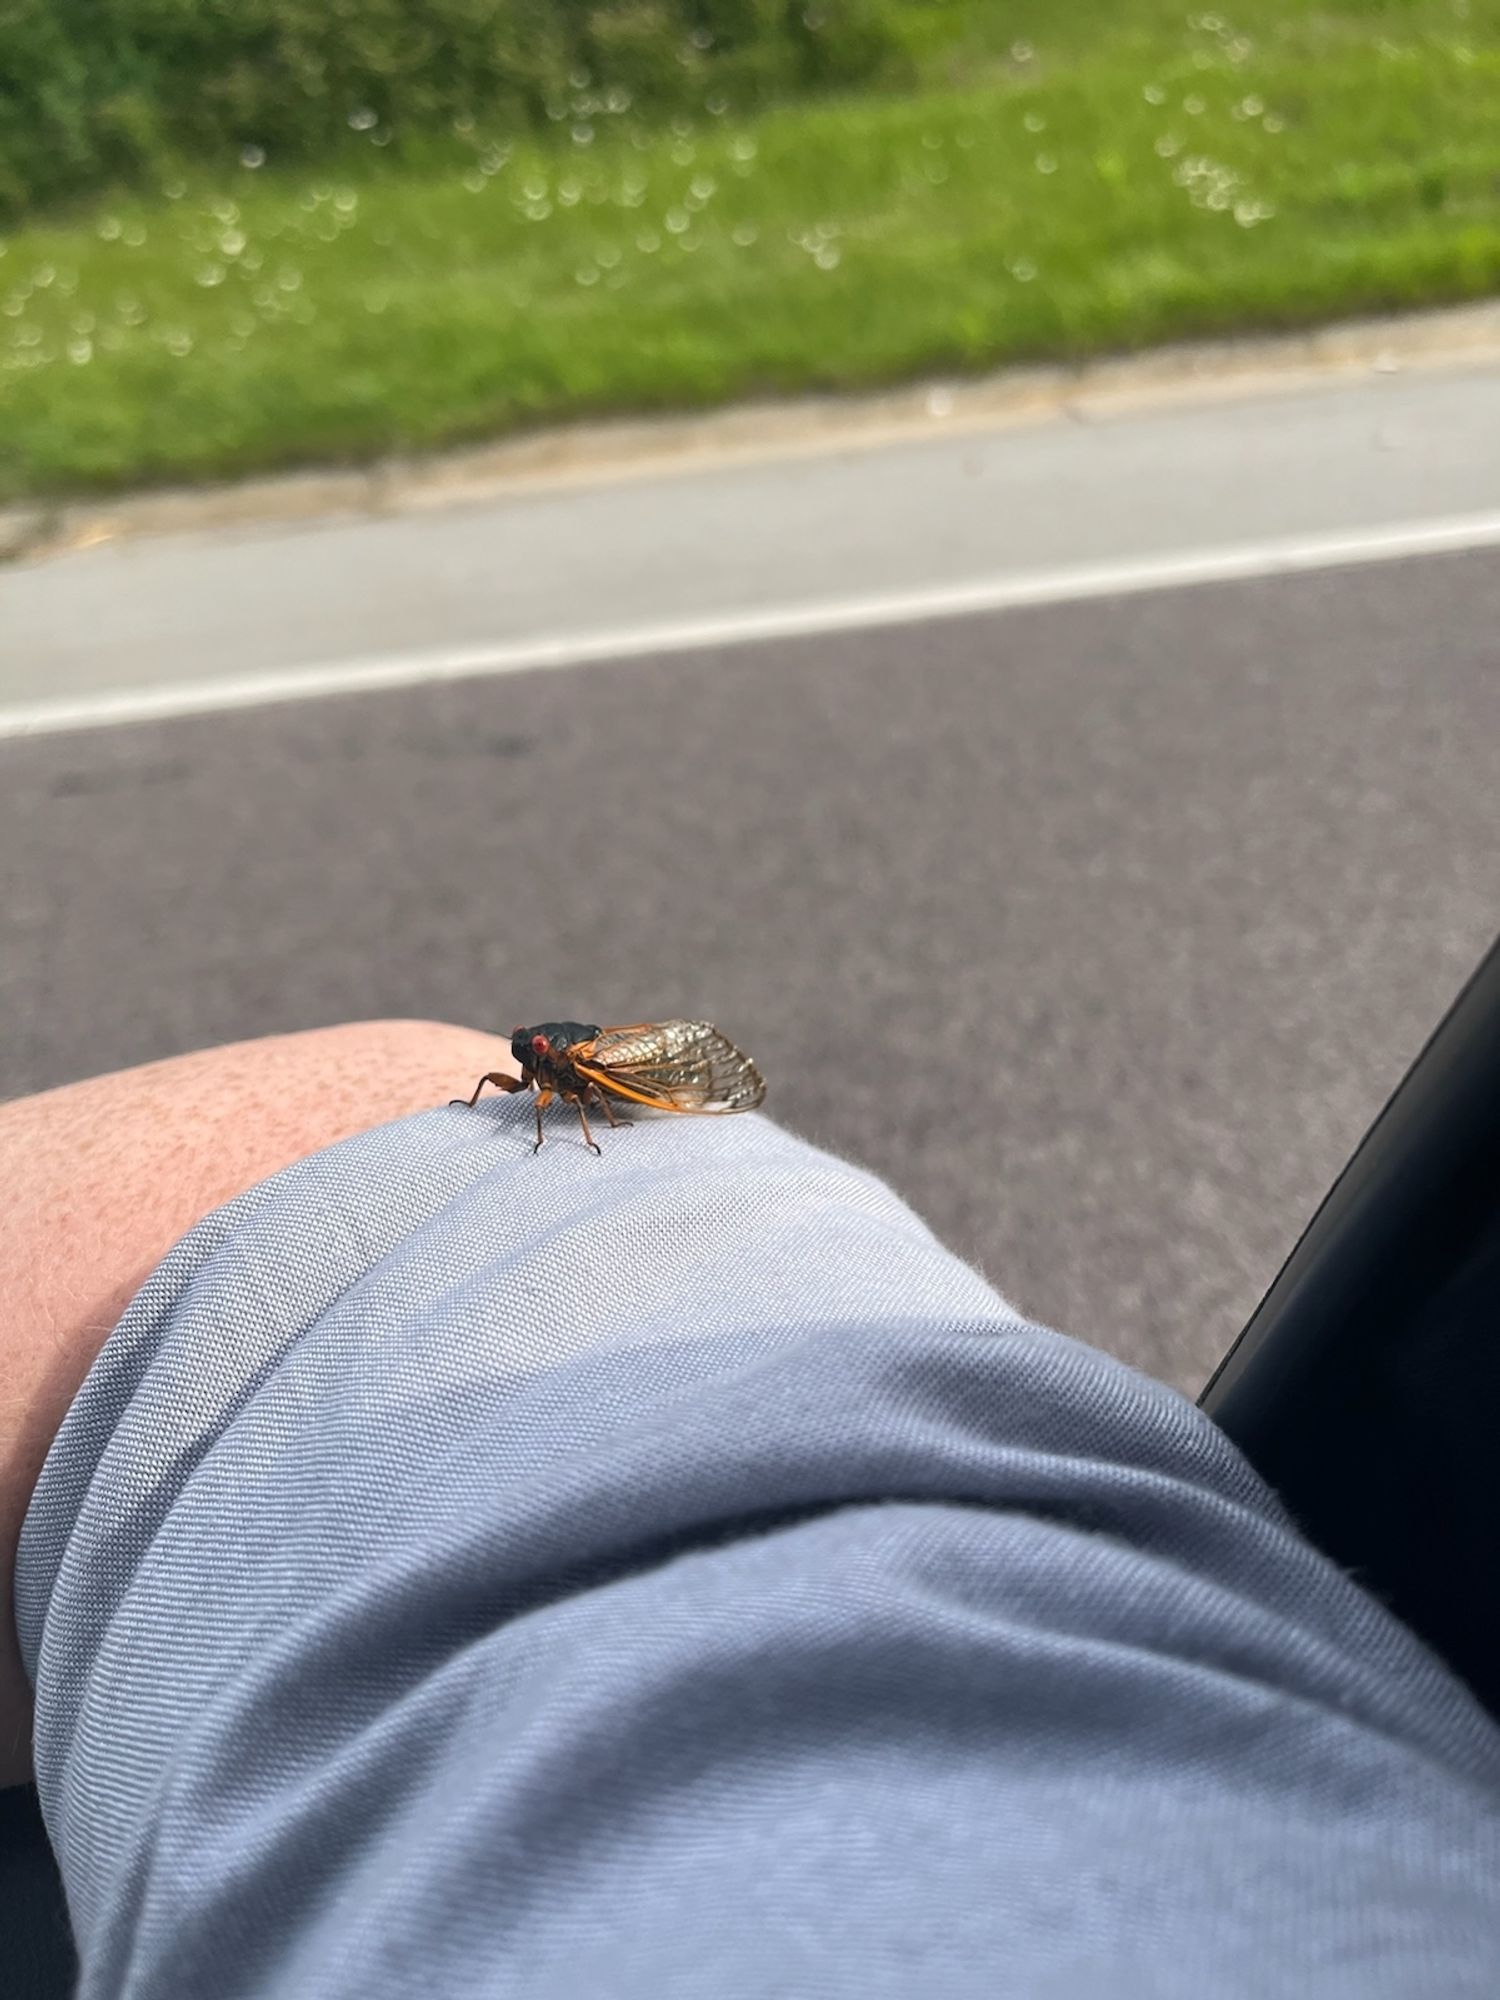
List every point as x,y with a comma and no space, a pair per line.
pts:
550,1042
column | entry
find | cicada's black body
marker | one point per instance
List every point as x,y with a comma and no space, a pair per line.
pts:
663,1065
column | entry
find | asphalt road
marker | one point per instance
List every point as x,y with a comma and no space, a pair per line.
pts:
1101,928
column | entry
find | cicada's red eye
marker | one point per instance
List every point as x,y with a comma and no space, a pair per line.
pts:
539,1044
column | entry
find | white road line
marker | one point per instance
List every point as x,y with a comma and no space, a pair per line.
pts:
795,621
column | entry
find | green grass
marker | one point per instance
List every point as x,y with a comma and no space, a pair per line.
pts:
1137,175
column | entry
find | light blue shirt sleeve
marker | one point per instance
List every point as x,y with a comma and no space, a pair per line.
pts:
465,1573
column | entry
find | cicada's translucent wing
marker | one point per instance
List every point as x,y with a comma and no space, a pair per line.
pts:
672,1066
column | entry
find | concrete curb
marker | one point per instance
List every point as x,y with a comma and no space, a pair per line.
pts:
590,453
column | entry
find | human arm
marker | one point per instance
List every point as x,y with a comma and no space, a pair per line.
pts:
102,1177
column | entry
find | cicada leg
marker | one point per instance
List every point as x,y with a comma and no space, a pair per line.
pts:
602,1097
542,1097
497,1077
583,1119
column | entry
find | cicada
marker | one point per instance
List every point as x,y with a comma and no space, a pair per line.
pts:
664,1065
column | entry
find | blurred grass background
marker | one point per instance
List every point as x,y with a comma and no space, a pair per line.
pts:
264,232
